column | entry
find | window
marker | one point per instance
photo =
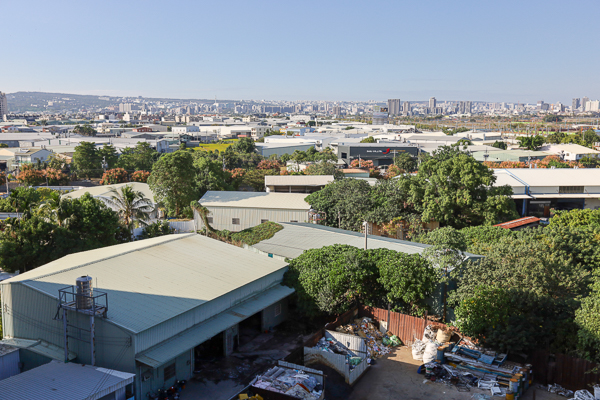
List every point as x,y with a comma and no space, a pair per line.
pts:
277,309
262,221
209,220
344,155
169,372
235,221
570,189
293,221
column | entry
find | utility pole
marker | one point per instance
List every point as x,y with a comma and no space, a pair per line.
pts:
366,225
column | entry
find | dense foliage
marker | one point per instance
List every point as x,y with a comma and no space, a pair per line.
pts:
156,229
332,279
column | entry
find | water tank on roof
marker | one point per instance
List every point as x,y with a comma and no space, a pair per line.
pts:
84,292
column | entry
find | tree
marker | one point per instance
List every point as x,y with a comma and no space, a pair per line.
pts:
86,159
521,296
84,130
552,118
405,162
451,187
269,164
173,181
500,145
389,200
38,238
586,318
575,218
368,139
55,176
131,206
109,154
324,168
113,176
203,212
590,137
139,158
533,142
244,145
29,175
256,178
210,175
346,203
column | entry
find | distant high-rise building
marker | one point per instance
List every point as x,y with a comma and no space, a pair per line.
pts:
3,105
394,106
337,110
465,107
125,107
432,104
592,105
575,105
584,102
406,107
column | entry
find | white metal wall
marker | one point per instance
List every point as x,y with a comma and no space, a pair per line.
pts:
222,217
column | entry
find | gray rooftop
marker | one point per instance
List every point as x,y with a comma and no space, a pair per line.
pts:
59,381
287,201
295,238
298,180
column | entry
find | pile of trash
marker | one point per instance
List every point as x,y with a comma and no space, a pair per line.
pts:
378,343
291,382
333,346
426,349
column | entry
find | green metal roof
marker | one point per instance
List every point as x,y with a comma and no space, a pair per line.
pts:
166,351
150,281
39,347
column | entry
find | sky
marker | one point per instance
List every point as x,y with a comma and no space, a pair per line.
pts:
512,51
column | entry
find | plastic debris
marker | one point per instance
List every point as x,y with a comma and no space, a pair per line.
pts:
292,382
559,390
333,346
378,343
583,395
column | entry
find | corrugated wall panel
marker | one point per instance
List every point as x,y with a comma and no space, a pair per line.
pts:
249,217
170,328
9,365
336,361
352,342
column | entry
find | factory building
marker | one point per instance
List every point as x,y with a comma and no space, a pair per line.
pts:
143,308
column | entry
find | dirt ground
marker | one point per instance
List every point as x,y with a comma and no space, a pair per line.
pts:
395,377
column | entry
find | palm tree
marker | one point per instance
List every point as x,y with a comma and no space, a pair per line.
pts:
131,205
203,212
58,210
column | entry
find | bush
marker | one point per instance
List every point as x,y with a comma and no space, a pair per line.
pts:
140,176
257,233
30,176
158,228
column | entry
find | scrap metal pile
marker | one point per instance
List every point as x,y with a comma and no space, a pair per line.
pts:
333,346
291,382
378,343
466,366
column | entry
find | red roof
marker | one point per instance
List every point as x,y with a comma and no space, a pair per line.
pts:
515,223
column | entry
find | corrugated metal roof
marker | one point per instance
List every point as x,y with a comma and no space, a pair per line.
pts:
104,190
192,337
287,201
295,238
59,381
553,177
152,280
298,180
39,347
515,223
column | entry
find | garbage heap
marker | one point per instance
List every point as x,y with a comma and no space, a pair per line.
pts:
333,346
291,382
378,343
466,366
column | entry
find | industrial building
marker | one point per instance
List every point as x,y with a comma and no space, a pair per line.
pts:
296,183
143,307
538,190
380,153
236,211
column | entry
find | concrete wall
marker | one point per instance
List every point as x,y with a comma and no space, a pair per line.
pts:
269,319
592,203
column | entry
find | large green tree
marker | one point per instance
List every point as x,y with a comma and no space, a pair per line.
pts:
139,158
173,181
109,154
451,187
533,142
86,160
346,203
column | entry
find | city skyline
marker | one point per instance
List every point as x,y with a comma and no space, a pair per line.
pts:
508,52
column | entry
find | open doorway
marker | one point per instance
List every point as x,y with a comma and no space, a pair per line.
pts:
208,351
250,328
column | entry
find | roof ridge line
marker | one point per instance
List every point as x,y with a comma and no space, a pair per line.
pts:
105,258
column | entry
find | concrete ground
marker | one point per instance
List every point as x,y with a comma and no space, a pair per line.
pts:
395,377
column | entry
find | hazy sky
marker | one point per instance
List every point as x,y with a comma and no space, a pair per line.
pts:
486,50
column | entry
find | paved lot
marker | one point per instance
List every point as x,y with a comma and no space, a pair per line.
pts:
395,377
